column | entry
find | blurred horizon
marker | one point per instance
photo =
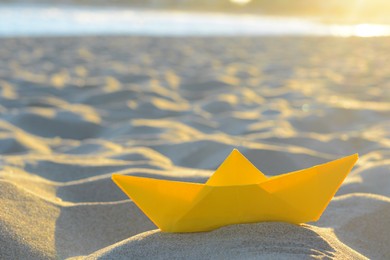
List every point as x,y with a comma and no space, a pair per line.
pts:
361,18
334,11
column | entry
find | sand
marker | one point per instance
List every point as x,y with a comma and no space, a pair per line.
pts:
73,111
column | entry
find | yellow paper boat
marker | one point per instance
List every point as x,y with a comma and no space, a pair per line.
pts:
237,193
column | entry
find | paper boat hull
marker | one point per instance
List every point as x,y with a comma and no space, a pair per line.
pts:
296,197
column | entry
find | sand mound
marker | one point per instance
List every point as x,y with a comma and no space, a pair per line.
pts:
27,224
268,240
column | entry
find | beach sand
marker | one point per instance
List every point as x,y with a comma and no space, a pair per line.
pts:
73,111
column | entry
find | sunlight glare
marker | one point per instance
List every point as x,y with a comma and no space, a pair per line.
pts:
361,30
371,30
240,2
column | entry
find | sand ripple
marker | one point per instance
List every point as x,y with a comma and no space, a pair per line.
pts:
73,111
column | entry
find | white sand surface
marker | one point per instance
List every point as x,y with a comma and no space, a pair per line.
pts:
73,111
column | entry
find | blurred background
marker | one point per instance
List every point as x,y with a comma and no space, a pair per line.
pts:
363,18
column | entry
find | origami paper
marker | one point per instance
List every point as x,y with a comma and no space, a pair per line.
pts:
237,193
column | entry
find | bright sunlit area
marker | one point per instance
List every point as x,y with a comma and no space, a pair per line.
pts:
238,17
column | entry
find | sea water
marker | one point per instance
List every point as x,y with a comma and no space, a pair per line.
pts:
44,20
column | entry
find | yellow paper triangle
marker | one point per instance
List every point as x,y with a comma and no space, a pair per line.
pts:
172,197
311,189
236,170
